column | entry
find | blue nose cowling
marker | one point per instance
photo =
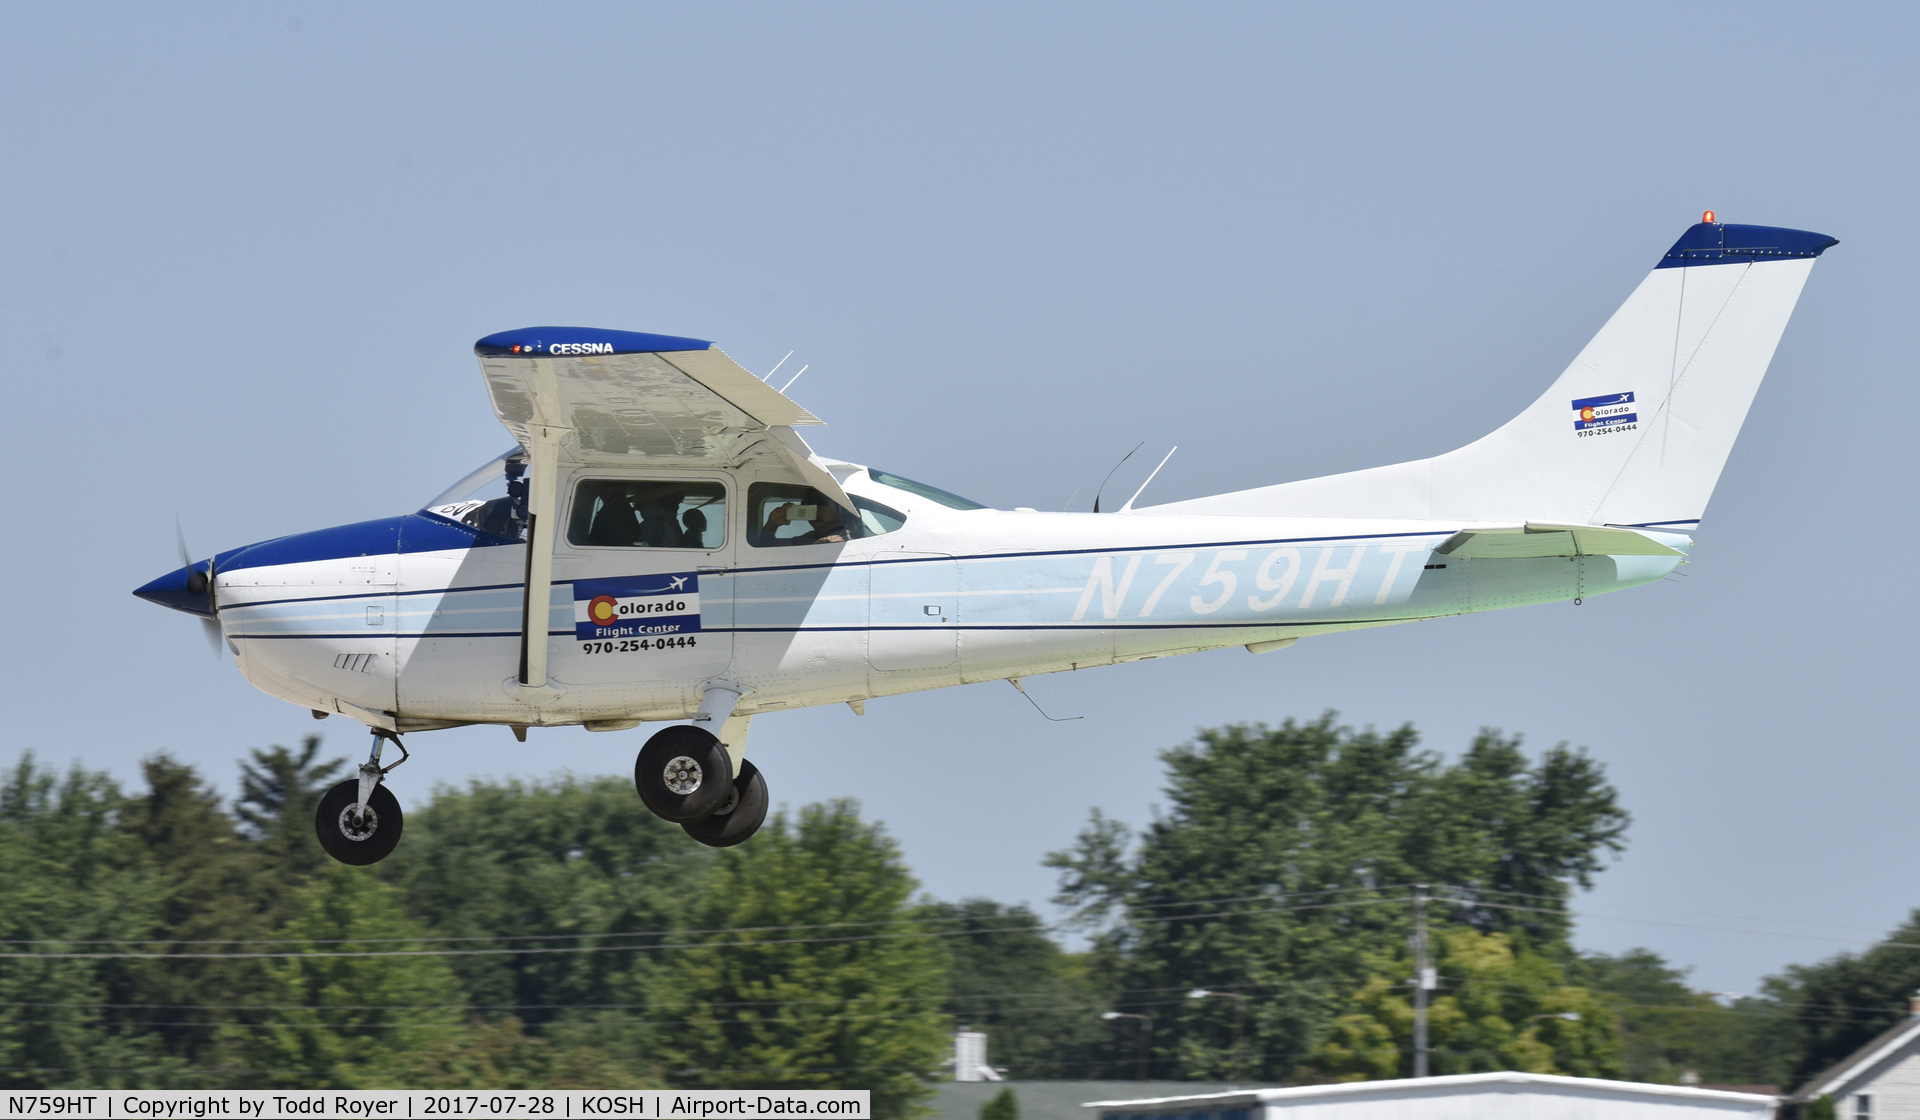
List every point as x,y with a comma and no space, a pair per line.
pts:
183,589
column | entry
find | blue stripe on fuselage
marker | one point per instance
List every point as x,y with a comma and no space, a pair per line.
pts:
414,532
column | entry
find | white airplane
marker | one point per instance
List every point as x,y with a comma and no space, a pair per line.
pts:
660,544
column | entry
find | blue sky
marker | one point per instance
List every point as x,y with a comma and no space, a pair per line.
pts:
247,249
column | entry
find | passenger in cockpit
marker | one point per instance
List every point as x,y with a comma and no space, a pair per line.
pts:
695,534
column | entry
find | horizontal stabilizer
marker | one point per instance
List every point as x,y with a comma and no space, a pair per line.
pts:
1535,539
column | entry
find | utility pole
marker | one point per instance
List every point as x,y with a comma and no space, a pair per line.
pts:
1239,1024
1145,1037
1423,980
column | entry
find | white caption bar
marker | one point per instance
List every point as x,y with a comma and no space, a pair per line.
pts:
407,1104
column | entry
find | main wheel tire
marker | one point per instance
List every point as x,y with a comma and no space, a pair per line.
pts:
361,842
683,773
740,817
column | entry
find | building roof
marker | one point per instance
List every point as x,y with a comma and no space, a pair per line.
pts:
1883,1046
1060,1100
1401,1087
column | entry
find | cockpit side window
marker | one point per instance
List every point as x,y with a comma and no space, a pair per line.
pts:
645,513
779,515
493,499
877,518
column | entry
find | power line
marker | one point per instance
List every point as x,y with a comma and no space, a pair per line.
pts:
578,949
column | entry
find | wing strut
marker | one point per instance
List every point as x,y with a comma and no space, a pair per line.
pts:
543,470
542,441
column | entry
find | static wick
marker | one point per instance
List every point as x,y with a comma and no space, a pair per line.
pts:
776,367
1021,689
794,378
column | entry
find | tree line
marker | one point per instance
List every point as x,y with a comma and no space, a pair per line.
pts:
553,934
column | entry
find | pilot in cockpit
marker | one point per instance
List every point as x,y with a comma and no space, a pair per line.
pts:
657,526
822,518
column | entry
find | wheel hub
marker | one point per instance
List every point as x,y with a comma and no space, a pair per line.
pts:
682,775
359,827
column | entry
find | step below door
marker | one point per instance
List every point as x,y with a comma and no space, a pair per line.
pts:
913,611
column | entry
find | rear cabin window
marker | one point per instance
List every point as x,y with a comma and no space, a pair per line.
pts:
638,513
779,515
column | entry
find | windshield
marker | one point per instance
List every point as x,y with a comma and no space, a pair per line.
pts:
492,499
931,493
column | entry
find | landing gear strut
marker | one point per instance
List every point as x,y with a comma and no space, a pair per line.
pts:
358,821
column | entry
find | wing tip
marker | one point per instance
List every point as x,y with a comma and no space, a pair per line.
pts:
549,342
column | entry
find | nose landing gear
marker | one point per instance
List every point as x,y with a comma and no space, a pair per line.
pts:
359,821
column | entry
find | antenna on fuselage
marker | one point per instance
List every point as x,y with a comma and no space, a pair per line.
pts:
776,367
1020,688
1109,478
1128,508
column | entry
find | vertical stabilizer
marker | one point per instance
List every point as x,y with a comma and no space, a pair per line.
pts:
1634,432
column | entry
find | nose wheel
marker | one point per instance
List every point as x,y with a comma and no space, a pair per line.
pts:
685,775
358,821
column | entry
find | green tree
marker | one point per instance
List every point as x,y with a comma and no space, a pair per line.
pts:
501,1055
1502,831
1003,1106
1495,1009
1668,1029
1841,1003
71,879
279,789
1009,979
345,1022
213,885
824,978
1280,872
570,864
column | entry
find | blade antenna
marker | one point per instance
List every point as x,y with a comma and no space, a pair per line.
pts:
1017,687
1109,478
794,378
1128,508
776,367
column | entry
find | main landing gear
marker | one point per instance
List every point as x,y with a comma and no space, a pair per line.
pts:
358,821
685,775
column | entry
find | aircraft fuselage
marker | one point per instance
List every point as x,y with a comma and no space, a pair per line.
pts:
420,617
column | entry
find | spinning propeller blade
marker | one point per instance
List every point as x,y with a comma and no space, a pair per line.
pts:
208,626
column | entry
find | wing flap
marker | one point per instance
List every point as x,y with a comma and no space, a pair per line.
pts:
1537,539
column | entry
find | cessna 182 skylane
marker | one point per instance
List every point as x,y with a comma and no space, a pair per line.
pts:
661,544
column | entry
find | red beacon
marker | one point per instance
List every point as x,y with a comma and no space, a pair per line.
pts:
1707,217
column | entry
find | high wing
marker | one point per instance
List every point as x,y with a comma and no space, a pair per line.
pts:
602,398
623,397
